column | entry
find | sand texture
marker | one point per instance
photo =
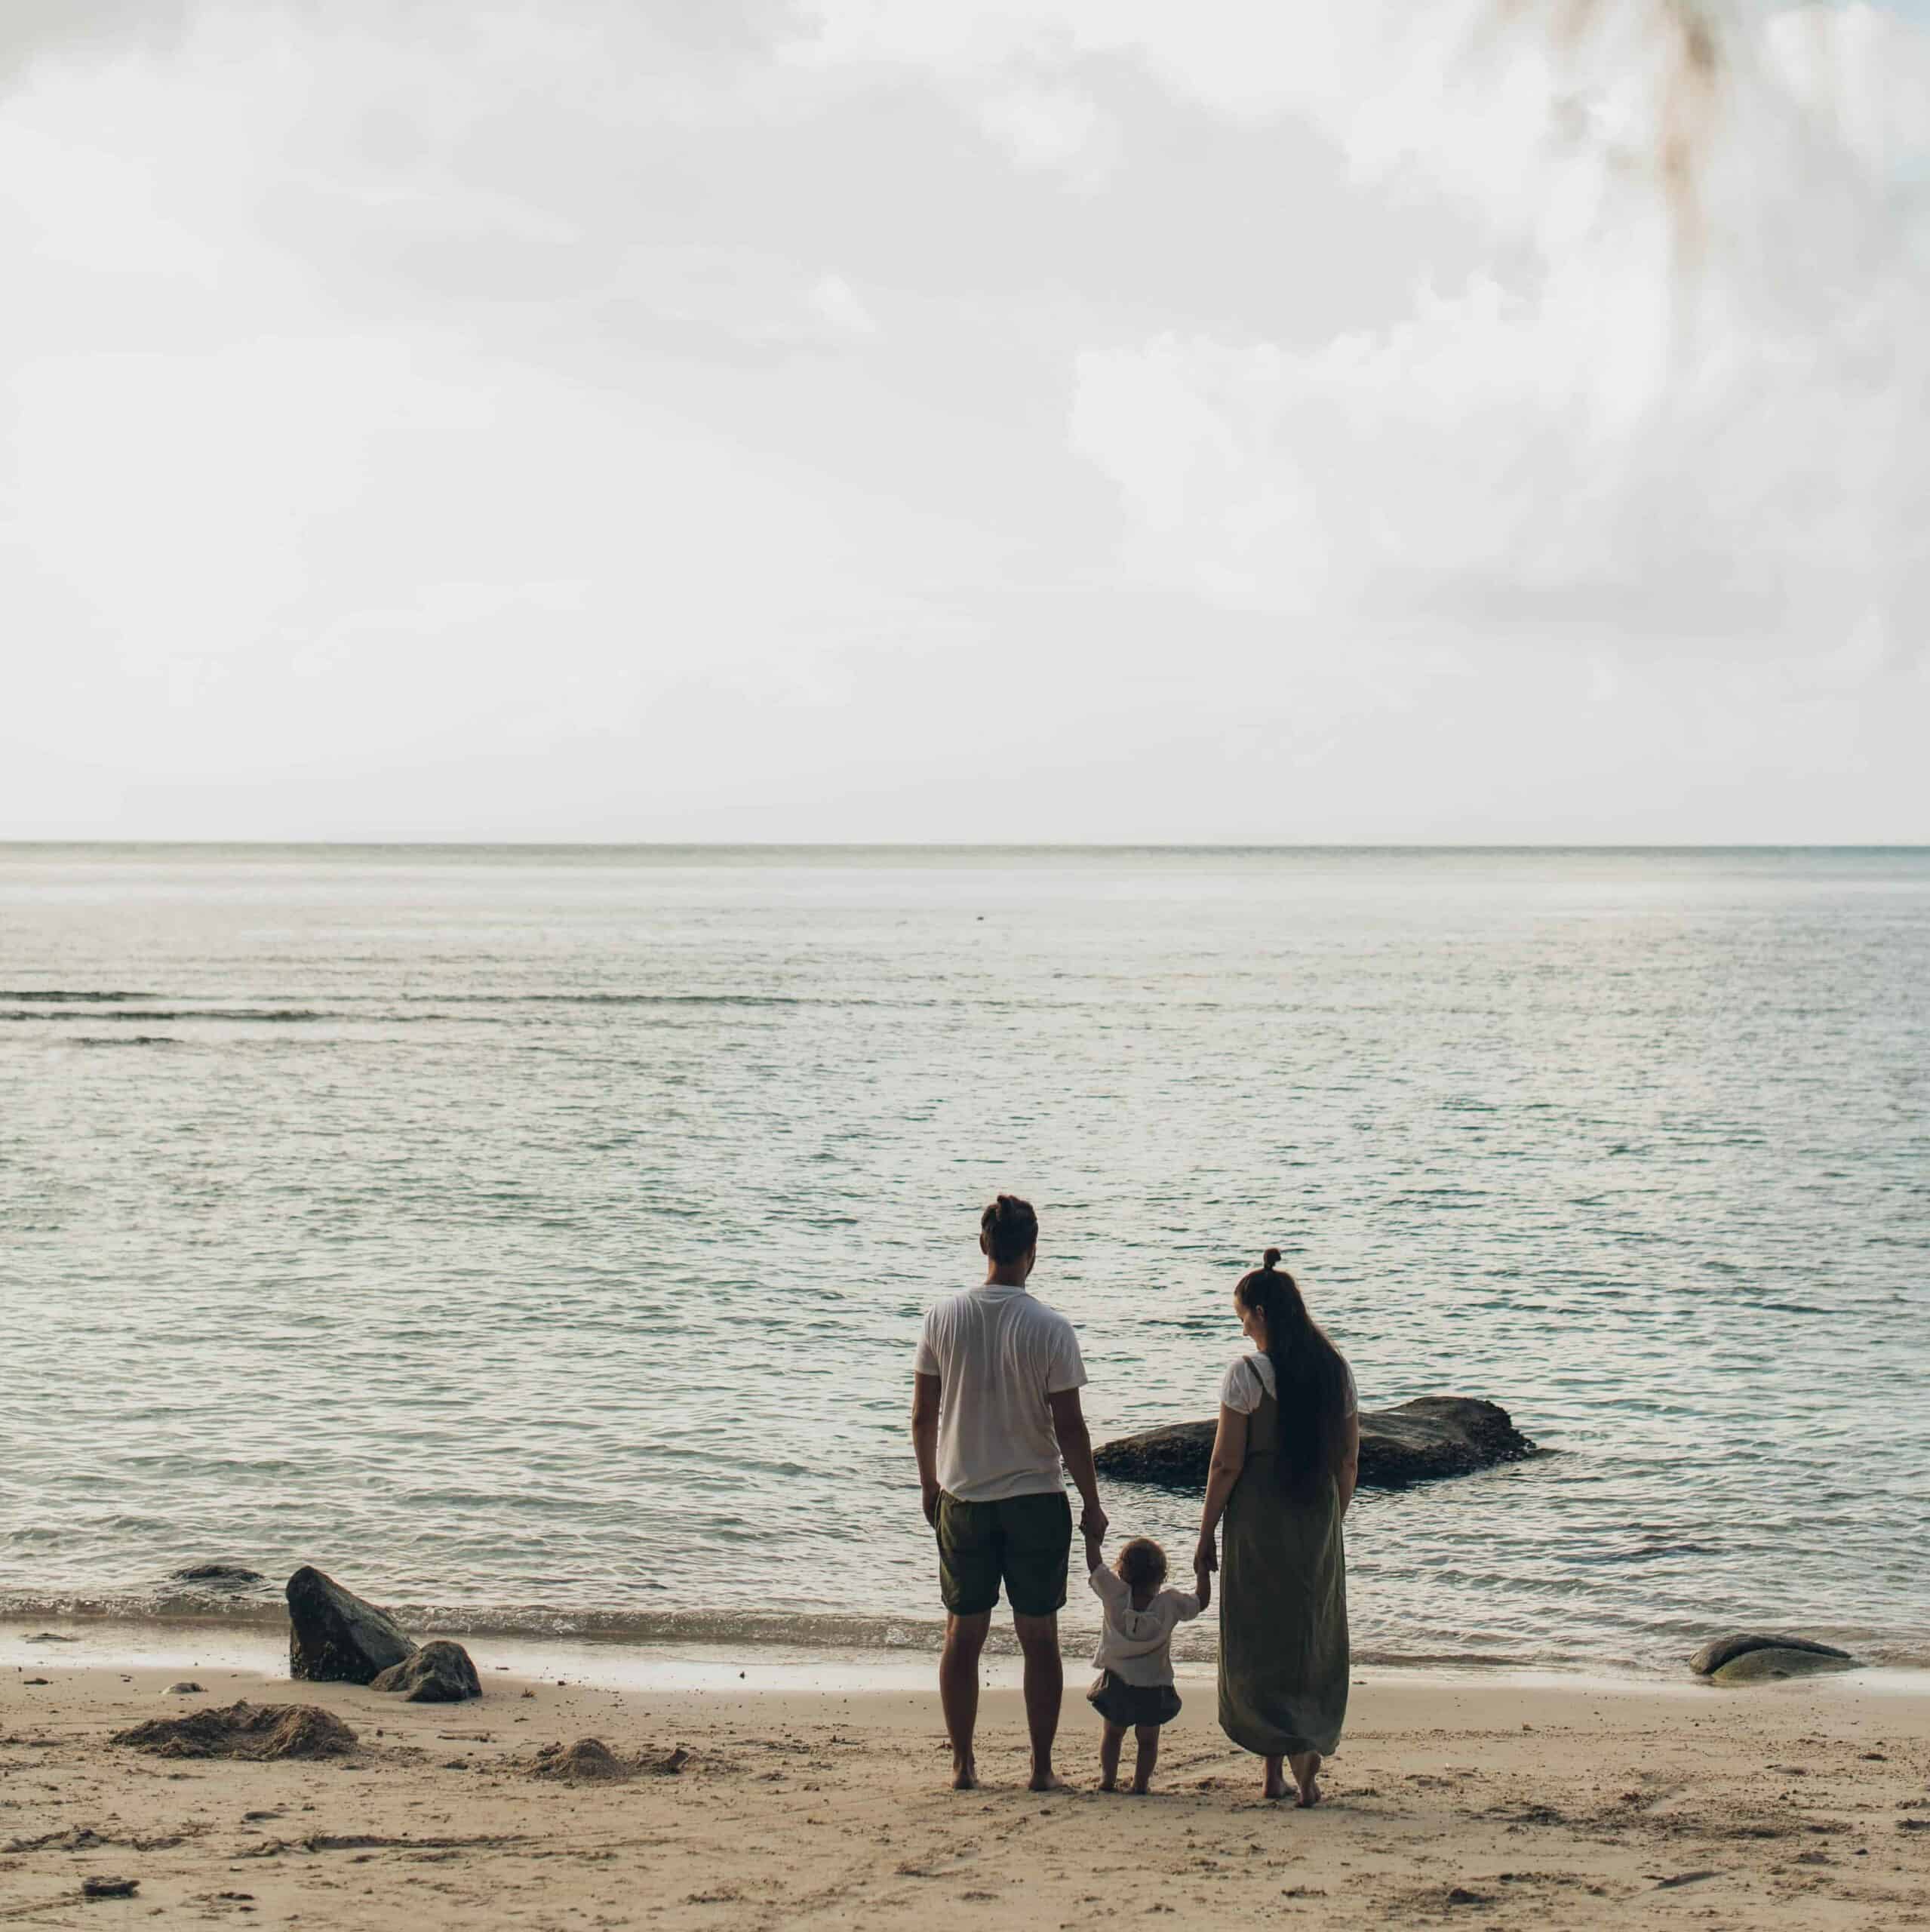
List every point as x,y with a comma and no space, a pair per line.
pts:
1467,1802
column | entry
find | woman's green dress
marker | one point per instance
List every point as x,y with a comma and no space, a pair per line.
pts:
1283,1649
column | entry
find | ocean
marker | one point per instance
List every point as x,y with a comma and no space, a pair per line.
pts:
536,1239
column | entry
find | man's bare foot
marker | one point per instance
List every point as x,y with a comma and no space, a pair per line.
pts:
1276,1779
1306,1774
964,1774
1108,1784
1047,1780
1140,1788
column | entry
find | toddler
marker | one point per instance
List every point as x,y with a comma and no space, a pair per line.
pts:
1134,1688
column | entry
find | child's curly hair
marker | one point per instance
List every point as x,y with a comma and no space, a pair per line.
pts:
1142,1563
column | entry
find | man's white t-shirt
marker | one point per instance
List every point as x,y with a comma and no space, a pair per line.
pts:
998,1353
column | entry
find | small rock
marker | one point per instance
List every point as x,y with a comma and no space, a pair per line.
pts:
34,1680
49,1636
218,1575
1779,1661
1719,1650
334,1637
440,1672
109,1888
187,1688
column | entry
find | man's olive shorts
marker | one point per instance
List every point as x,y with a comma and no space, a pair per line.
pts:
1027,1540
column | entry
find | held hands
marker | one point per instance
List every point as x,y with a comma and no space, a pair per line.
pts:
1095,1553
1092,1522
1206,1557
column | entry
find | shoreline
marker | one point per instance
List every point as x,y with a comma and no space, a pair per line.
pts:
1472,1799
258,1646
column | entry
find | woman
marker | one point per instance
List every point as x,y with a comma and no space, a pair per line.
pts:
1284,1470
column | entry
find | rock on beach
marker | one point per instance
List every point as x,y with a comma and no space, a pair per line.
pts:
440,1672
335,1637
1416,1441
1756,1656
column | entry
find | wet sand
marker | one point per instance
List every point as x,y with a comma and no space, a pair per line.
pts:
1476,1801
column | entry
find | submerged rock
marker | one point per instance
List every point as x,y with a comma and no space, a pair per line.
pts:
334,1637
1719,1650
217,1575
440,1672
1416,1441
259,1731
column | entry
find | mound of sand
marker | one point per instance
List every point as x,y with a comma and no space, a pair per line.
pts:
243,1731
591,1761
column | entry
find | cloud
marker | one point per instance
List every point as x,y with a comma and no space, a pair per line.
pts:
1052,130
835,301
1659,422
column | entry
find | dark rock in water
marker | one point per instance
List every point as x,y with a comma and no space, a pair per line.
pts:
1768,1667
1416,1441
1719,1650
217,1575
258,1731
439,1673
334,1637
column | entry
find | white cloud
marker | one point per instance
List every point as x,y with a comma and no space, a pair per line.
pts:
1054,129
834,300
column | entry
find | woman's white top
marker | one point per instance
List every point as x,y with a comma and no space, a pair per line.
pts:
1136,1645
1250,1376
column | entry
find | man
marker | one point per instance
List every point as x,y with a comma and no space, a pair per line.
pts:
994,1415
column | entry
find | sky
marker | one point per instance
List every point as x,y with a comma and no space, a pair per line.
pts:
1015,420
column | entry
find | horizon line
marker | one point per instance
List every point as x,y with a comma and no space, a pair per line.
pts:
532,844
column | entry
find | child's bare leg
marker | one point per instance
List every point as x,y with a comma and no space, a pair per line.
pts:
1110,1740
1275,1779
1148,1737
1306,1768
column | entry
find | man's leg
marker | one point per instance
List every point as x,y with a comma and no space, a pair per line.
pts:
958,1692
1045,1687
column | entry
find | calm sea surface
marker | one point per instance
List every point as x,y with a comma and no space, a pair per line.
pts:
543,1235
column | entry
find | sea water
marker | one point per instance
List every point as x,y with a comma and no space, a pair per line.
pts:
537,1238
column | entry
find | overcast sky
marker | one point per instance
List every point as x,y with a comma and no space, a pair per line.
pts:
1107,420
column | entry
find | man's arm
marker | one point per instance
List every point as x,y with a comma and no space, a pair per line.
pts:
924,1439
1068,1424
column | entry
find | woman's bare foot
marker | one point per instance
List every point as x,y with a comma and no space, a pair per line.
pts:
964,1774
1276,1780
1306,1774
1047,1779
1109,1782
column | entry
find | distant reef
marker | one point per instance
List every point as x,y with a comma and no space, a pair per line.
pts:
1418,1441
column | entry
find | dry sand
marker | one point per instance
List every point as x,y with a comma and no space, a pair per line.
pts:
1475,1801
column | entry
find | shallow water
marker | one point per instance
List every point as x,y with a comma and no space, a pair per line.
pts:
543,1235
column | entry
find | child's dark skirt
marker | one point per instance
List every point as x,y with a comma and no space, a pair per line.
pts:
1129,1705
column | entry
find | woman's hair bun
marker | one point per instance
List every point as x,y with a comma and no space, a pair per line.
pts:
1268,1260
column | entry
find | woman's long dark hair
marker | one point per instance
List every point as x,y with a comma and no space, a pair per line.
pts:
1309,1378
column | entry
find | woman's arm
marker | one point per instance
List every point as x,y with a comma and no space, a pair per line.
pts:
1348,1474
1229,1459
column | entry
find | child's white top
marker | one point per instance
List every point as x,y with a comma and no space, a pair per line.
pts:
1249,1376
1136,1645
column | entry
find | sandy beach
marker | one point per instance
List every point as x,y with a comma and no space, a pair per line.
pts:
1475,1800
